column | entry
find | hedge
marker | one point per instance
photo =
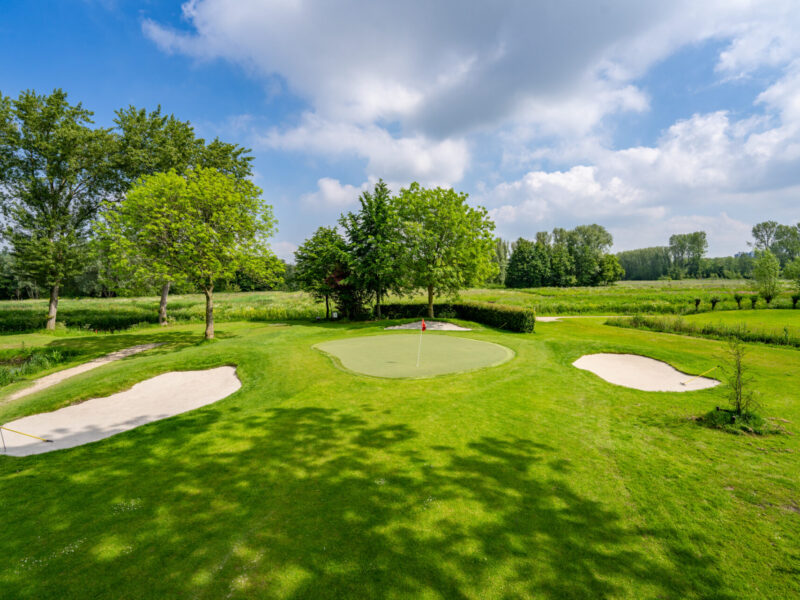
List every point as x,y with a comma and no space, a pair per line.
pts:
510,318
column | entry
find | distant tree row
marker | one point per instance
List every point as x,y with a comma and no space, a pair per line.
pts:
428,239
563,258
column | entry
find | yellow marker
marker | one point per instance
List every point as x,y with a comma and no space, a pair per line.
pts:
28,434
698,376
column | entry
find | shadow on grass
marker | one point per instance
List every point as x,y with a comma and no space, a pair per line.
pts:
319,503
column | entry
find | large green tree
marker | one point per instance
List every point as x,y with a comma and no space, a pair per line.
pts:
55,171
587,245
374,244
320,262
766,275
448,244
153,142
201,227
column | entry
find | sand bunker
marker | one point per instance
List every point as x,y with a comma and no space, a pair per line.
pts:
54,378
432,325
641,373
150,400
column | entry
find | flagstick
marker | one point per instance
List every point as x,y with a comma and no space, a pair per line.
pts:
419,349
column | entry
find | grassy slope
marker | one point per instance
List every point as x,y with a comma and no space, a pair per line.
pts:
528,479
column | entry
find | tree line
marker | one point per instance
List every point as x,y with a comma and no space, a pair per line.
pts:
146,203
421,238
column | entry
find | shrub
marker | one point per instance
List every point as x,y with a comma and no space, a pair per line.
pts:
510,318
738,297
714,301
795,300
696,304
753,301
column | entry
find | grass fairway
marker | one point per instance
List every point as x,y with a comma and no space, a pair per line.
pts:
395,355
529,479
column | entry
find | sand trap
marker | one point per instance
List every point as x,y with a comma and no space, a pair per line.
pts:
58,377
150,400
555,319
432,325
641,373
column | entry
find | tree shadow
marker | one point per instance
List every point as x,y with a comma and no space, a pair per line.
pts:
320,503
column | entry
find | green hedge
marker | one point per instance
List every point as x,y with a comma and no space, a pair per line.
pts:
501,316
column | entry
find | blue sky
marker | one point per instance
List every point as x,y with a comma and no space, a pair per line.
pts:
649,118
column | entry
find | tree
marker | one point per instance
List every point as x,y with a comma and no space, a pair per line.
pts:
586,245
792,272
735,372
767,275
610,269
201,227
787,243
373,235
645,263
55,170
500,258
151,143
519,273
687,251
318,262
764,235
449,244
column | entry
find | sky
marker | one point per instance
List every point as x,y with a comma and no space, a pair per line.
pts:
649,118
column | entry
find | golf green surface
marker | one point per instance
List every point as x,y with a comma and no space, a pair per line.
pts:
395,355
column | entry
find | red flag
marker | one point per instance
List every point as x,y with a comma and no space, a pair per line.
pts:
424,327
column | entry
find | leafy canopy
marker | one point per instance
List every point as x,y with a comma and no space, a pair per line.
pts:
55,171
448,244
200,228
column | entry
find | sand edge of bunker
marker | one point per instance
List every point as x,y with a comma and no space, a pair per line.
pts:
508,354
643,373
150,400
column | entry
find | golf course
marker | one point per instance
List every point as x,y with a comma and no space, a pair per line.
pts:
516,475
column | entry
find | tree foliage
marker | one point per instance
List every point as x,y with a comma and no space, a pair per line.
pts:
55,170
200,227
767,275
374,244
448,245
321,263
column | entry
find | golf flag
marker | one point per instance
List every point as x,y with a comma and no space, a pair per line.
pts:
424,327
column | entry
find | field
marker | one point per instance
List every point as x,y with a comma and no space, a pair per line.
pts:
528,479
624,298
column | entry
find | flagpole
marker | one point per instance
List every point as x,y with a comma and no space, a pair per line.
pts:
419,349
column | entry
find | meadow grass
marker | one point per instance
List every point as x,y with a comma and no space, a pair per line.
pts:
623,298
778,327
529,479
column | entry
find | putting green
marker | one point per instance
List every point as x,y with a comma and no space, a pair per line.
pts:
396,355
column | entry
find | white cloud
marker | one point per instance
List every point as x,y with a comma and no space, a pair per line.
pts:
419,90
406,159
284,250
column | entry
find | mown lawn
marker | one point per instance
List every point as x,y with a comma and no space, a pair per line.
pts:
530,479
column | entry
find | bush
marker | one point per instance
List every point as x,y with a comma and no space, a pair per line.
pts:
729,421
510,318
738,297
714,301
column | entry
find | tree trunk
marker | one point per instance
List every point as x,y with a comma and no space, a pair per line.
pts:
53,310
327,308
430,301
378,297
162,308
209,313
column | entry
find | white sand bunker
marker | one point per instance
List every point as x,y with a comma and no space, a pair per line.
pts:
58,377
642,373
432,325
150,400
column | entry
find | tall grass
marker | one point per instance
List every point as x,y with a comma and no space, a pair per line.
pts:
15,365
783,337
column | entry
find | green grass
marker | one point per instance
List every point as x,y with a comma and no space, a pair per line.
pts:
623,298
778,327
394,355
529,479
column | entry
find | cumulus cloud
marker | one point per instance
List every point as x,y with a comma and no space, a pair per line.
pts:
422,91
